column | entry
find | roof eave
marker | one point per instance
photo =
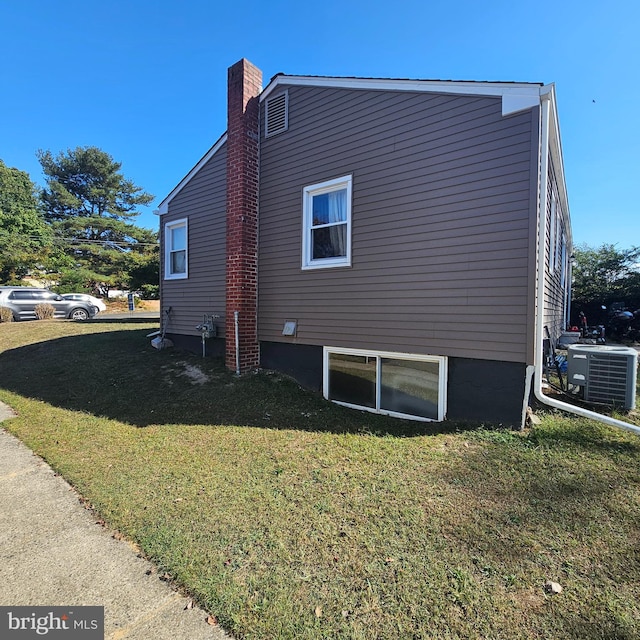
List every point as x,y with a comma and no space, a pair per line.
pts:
516,96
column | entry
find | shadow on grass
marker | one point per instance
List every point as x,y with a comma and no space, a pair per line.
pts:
587,434
118,375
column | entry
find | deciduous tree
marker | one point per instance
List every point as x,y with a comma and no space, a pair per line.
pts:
24,235
605,275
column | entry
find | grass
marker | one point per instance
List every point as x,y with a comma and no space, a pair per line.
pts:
289,517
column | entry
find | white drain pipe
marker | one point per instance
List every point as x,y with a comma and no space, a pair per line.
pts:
539,344
236,320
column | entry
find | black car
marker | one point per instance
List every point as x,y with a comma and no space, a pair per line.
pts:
22,302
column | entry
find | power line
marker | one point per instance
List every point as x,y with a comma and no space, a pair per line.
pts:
72,240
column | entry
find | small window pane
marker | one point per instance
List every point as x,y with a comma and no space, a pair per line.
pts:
352,379
178,238
329,242
409,387
330,207
178,262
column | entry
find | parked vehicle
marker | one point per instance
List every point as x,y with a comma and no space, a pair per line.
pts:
22,302
85,297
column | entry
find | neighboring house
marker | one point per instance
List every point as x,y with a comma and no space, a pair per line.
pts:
376,239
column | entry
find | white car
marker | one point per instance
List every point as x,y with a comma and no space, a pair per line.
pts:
85,297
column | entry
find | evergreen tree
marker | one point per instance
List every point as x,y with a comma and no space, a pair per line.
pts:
90,206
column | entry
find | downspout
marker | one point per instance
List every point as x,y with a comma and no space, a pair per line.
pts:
539,336
236,323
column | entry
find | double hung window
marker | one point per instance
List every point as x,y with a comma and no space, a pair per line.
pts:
176,240
327,224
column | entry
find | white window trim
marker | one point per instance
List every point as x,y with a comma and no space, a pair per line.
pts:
167,249
563,262
442,379
307,208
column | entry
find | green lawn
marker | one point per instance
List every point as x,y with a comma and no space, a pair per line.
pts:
289,517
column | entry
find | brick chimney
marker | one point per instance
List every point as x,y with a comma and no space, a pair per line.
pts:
244,86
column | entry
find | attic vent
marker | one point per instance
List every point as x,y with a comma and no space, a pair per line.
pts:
277,114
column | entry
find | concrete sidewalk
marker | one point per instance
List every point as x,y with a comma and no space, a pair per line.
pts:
53,553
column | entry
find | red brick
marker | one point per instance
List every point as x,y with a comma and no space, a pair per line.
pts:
244,84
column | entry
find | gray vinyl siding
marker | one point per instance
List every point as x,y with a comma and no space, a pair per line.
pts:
441,223
203,202
555,297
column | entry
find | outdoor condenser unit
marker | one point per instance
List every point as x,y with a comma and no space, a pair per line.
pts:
607,373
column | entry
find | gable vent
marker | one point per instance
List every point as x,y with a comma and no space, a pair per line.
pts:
277,114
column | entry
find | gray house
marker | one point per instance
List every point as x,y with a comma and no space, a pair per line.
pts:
376,239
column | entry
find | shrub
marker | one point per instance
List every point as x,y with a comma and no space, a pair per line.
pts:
150,291
6,315
44,311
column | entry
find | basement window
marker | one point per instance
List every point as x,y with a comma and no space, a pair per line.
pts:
397,384
276,116
175,254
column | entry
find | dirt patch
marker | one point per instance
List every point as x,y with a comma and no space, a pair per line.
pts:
150,305
120,305
190,371
195,374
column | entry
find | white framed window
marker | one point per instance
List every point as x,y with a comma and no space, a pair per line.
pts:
398,384
559,233
326,215
563,262
176,250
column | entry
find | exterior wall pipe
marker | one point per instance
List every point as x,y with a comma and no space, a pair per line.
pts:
539,337
237,330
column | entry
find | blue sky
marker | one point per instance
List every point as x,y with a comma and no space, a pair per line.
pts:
146,81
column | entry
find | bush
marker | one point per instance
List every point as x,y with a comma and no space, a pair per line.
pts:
150,291
6,315
44,311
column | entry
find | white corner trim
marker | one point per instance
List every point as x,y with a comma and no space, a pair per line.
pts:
163,207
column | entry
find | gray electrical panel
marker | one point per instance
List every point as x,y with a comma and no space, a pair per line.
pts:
607,373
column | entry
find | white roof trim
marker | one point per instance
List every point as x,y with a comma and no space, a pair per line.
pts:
163,207
513,103
516,96
555,148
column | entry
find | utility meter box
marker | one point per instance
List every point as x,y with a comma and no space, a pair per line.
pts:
208,327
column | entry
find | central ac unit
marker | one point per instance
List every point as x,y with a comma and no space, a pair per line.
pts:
607,373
